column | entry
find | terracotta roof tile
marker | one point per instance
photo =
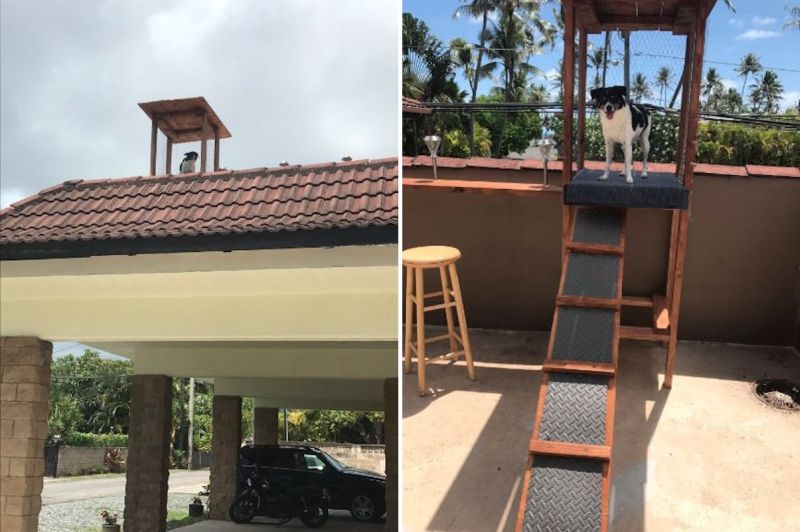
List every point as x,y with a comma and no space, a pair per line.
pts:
413,106
320,196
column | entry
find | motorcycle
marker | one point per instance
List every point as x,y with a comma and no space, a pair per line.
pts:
260,497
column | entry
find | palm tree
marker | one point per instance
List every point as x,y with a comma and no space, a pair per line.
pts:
606,55
477,8
427,65
640,88
748,65
793,24
597,59
767,93
730,101
712,88
663,79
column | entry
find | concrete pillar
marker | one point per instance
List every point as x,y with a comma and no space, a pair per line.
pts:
265,426
24,405
226,439
390,435
147,469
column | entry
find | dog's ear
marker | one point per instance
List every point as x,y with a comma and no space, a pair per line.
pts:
596,93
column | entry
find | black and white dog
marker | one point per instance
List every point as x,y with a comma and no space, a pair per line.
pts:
622,123
187,165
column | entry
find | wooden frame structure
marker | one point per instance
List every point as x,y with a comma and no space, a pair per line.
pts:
681,17
184,120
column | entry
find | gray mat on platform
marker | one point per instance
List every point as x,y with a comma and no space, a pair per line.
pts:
584,334
598,226
659,190
565,495
575,409
591,275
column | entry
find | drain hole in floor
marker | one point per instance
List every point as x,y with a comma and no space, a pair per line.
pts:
778,393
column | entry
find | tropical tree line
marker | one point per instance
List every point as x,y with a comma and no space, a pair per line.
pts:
510,37
90,401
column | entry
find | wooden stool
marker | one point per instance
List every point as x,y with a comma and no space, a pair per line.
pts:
416,261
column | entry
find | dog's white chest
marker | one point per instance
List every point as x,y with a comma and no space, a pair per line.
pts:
619,128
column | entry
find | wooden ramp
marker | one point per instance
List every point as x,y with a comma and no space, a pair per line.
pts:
567,481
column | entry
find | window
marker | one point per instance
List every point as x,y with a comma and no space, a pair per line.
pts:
313,463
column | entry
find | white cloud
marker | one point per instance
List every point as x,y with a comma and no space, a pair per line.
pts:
790,99
735,22
752,34
764,21
730,84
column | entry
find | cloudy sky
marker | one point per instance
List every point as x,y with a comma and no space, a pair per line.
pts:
297,80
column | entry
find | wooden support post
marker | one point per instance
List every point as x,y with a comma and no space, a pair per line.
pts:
203,145
216,149
694,99
169,157
686,77
569,89
673,248
153,147
582,98
568,75
674,310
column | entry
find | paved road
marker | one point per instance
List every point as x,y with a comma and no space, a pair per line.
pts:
68,489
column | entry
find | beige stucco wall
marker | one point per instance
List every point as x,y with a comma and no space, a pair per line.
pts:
741,267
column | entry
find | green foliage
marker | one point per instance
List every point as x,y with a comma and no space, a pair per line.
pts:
333,426
88,439
717,143
455,143
739,145
508,132
89,394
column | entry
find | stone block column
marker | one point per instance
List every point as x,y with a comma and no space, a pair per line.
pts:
24,405
147,472
265,426
390,436
226,439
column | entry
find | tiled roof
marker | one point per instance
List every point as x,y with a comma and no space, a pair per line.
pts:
413,106
341,195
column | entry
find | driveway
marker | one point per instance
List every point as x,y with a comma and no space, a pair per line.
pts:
68,489
338,520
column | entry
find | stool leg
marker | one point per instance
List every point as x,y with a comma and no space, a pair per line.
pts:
448,310
420,295
462,322
409,319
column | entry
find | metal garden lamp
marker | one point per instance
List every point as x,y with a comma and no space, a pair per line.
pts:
545,147
432,141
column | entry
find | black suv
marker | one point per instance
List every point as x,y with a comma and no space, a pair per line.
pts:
358,490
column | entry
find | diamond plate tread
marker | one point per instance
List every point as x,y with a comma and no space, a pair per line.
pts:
598,226
565,495
584,334
575,409
591,275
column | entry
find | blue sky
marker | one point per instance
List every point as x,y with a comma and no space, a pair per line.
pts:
756,26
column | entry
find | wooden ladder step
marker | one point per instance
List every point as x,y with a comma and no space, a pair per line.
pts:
592,368
572,450
604,249
642,333
588,302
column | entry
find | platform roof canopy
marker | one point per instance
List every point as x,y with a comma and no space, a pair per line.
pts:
182,120
676,16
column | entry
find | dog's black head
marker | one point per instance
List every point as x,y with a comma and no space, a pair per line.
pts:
609,100
191,156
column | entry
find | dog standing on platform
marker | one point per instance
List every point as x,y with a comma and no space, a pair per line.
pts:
622,123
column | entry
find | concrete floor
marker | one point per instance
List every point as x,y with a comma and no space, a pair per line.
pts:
337,520
706,455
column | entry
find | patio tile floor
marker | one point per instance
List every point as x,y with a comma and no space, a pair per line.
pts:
706,455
